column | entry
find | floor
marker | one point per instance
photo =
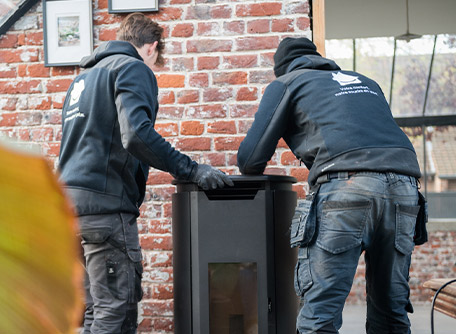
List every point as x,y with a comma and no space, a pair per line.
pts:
354,317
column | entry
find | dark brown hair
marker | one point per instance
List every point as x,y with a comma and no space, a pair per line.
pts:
138,29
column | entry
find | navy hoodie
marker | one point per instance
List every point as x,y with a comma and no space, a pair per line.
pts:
108,136
332,120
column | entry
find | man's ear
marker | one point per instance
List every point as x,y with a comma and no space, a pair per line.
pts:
151,49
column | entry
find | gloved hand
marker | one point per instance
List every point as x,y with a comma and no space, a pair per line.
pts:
208,177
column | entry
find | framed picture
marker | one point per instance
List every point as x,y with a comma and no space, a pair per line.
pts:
129,6
11,11
67,31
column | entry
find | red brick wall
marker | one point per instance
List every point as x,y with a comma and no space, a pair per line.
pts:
218,62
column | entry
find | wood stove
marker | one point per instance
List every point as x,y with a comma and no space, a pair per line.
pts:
233,266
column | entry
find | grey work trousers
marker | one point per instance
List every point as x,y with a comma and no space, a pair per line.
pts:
371,212
113,273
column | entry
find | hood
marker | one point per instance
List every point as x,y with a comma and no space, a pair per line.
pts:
313,62
108,49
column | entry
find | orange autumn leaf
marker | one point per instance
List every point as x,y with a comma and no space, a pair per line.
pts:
40,275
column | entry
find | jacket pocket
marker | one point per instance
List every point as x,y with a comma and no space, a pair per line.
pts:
302,278
303,223
342,225
405,228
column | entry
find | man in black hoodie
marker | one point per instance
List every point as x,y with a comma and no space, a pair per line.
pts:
363,194
108,144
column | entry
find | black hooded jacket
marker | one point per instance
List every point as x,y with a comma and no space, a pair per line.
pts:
108,136
332,120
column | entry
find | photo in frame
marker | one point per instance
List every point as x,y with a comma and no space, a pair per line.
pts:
68,33
129,6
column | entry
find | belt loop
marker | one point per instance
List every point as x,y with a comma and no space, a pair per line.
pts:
342,175
391,177
388,177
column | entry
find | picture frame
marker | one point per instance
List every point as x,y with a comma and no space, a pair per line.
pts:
129,6
11,11
67,30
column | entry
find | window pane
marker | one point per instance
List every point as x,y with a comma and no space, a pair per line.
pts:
410,76
374,58
442,89
341,51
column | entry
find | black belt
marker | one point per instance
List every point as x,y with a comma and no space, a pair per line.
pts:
334,175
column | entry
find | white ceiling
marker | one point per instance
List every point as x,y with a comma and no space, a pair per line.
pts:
385,18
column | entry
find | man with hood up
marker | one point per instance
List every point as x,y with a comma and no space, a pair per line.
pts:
363,184
108,144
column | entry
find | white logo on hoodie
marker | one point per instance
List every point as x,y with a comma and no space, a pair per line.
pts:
345,79
76,92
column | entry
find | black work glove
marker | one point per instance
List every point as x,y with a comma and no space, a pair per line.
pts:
208,177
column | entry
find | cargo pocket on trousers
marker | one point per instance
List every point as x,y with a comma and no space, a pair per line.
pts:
405,228
135,293
117,278
138,277
303,223
342,225
303,278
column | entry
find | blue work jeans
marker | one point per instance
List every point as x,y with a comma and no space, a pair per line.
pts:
113,273
370,212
